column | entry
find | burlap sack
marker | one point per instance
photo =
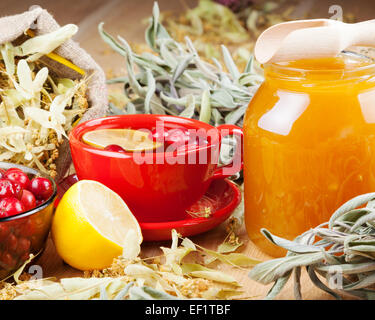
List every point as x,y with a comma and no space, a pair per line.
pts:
41,22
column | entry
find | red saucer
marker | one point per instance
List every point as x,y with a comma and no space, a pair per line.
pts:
218,203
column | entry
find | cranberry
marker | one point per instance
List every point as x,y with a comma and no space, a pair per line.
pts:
42,188
4,231
10,207
18,177
23,246
26,229
114,148
14,169
12,243
8,260
9,189
28,200
17,190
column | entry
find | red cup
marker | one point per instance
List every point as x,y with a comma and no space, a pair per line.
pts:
160,185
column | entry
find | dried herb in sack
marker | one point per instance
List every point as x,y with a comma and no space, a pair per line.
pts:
43,91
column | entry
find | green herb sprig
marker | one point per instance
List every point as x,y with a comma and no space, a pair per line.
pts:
343,248
175,80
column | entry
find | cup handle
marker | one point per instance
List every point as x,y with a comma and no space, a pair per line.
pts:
230,169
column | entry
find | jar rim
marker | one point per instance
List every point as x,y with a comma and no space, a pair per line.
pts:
294,72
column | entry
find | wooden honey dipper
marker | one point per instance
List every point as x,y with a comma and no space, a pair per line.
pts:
316,38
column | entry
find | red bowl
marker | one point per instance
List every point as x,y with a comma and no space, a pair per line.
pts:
25,233
165,184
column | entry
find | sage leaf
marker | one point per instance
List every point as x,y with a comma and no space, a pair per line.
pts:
289,245
297,283
234,116
205,110
354,268
249,65
344,246
223,98
181,67
316,281
150,92
350,205
268,271
179,73
130,108
368,217
155,30
278,286
190,108
110,40
229,63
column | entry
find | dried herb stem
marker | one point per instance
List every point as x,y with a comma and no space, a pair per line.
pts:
345,251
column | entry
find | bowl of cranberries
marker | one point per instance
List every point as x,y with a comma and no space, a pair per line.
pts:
26,208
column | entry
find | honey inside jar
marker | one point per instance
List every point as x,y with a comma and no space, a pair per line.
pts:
309,144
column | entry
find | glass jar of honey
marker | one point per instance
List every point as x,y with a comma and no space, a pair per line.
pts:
309,144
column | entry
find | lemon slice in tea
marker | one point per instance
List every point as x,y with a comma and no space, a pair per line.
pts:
128,139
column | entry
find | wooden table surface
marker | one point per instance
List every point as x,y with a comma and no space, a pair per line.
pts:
125,17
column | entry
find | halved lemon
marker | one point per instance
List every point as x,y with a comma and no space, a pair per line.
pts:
129,139
91,225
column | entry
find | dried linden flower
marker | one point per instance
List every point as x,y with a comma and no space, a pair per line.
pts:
165,277
37,109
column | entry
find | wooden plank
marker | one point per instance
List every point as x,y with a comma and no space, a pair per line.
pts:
53,266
